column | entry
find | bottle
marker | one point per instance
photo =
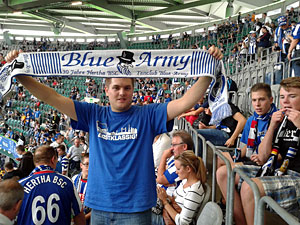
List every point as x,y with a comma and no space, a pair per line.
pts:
249,151
269,167
237,154
289,155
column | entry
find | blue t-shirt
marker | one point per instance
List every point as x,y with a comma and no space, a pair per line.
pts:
262,127
49,198
121,172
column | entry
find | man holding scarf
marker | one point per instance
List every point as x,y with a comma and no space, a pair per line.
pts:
121,187
283,184
253,133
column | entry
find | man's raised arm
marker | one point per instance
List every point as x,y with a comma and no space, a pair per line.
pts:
44,93
192,96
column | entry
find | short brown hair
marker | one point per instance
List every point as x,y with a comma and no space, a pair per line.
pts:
291,82
85,155
262,87
20,148
108,81
8,166
44,154
62,147
186,138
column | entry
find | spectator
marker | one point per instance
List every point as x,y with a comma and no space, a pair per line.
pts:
168,97
148,97
2,61
266,19
258,25
11,196
161,142
170,38
263,42
74,155
294,51
166,172
189,194
120,168
59,141
281,39
161,93
251,42
254,132
80,182
252,18
62,165
196,112
84,145
26,164
239,19
225,133
281,138
11,172
44,186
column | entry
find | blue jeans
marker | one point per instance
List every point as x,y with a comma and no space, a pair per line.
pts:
113,218
157,219
215,136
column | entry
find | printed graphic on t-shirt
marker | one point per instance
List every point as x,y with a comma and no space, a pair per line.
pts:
124,133
289,135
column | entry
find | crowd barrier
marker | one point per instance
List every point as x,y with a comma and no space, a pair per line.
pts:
231,173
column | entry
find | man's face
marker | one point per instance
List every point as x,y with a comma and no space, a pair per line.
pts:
261,103
60,152
290,98
178,146
77,142
120,92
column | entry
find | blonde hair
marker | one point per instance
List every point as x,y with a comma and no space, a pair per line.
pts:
188,158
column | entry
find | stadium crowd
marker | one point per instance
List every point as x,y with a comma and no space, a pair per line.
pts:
49,140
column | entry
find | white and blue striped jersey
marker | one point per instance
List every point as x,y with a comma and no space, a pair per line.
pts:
252,46
296,35
49,198
64,161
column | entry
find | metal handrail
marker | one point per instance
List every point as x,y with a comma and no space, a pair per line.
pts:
289,68
204,149
287,217
252,185
217,152
194,135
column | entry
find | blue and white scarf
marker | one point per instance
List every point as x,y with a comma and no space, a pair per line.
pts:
42,168
252,142
185,63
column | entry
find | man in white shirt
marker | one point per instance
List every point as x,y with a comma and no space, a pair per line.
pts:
59,141
266,19
11,196
74,155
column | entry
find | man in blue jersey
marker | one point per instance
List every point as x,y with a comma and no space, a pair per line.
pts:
49,197
294,51
166,173
121,187
282,43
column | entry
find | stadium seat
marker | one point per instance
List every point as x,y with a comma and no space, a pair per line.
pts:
210,215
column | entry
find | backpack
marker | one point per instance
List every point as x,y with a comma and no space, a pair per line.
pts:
231,85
